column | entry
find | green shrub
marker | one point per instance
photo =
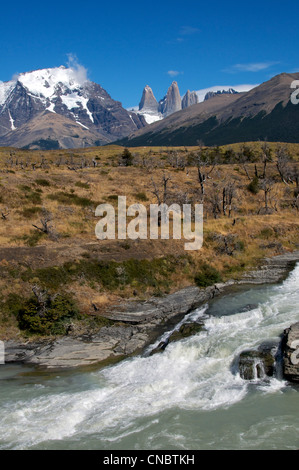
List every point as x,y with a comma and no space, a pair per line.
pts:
11,305
71,198
34,196
79,184
141,196
239,245
266,233
25,188
42,182
109,274
127,158
254,186
33,238
29,212
207,276
49,317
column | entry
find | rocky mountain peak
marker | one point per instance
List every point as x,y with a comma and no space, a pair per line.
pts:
189,99
153,111
172,101
211,94
148,101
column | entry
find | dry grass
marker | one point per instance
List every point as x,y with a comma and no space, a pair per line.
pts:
71,195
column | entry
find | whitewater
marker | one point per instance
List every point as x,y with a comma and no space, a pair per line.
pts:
189,397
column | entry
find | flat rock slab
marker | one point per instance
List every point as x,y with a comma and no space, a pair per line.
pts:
68,352
272,269
156,310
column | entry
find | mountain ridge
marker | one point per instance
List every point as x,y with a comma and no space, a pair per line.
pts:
229,118
153,111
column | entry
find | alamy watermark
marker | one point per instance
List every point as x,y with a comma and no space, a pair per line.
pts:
186,223
295,355
295,94
2,353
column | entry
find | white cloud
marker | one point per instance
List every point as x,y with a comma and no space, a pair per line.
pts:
184,33
188,30
174,73
79,70
250,67
15,77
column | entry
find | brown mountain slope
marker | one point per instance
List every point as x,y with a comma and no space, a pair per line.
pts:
194,114
263,97
49,130
265,111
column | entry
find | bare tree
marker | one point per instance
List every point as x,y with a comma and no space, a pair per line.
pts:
246,155
43,163
4,216
46,226
228,194
202,163
294,173
267,186
161,193
283,164
59,162
214,199
42,300
266,157
176,160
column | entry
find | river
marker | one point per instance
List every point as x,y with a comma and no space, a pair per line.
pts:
188,397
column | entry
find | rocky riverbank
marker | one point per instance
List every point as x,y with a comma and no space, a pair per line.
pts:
136,324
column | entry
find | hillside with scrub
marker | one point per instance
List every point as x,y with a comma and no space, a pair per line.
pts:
57,278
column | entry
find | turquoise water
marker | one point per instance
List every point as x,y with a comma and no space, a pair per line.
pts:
189,397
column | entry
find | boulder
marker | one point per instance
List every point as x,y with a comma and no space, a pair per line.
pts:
290,352
257,363
185,330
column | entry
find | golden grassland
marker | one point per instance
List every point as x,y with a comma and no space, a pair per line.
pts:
60,183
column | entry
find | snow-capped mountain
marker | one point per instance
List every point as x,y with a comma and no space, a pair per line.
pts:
66,92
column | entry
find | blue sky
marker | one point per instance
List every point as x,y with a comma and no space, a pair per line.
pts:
127,45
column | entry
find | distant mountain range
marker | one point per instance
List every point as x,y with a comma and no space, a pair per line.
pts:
153,111
263,113
59,108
